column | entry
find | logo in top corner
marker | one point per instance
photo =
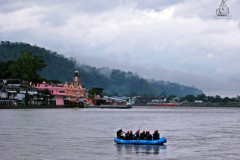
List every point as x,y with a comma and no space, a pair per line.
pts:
223,9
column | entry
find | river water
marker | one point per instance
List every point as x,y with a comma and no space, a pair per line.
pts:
192,133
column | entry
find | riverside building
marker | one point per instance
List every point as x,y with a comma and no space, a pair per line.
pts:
17,92
73,94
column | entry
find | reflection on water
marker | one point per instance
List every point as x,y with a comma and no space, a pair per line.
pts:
139,149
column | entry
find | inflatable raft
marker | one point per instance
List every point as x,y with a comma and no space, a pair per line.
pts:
151,142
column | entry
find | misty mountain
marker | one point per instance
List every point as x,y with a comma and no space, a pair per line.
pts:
114,81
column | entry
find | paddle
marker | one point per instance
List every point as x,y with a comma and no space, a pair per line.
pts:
139,134
164,135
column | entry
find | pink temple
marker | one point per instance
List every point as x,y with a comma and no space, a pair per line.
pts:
66,94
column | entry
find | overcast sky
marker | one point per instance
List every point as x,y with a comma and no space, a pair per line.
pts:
177,41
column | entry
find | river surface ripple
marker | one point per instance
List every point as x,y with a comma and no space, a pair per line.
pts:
192,133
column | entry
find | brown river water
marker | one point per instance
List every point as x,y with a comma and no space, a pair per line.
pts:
192,133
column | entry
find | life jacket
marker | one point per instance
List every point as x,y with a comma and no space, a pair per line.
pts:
156,136
149,136
126,136
119,133
130,136
144,135
136,135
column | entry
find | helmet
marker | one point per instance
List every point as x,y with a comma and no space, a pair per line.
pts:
156,130
147,132
137,131
120,129
130,131
127,131
143,131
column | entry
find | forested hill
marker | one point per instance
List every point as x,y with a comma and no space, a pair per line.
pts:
113,81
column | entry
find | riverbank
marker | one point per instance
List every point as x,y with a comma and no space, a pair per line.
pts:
39,106
194,105
209,105
134,106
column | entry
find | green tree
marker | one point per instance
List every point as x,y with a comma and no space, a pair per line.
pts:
218,98
226,100
211,99
50,81
115,93
91,95
133,94
26,67
182,99
190,98
201,97
4,72
96,91
144,95
164,94
171,97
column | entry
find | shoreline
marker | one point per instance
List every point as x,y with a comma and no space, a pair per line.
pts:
210,105
40,107
193,105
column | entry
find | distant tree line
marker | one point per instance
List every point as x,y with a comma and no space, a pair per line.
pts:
204,98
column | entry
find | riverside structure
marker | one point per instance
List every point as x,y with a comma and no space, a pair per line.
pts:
14,92
17,92
66,94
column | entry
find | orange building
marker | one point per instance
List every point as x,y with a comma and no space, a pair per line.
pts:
75,93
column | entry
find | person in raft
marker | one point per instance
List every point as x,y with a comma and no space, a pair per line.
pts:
149,136
119,134
127,135
156,135
130,135
136,135
143,135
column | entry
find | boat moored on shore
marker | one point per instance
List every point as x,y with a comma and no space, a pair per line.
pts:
108,102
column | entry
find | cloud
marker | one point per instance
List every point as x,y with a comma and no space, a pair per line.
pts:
176,41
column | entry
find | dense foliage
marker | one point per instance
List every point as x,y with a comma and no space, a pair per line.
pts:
25,67
95,91
58,66
208,99
114,81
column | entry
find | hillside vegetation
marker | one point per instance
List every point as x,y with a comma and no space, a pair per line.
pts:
114,81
